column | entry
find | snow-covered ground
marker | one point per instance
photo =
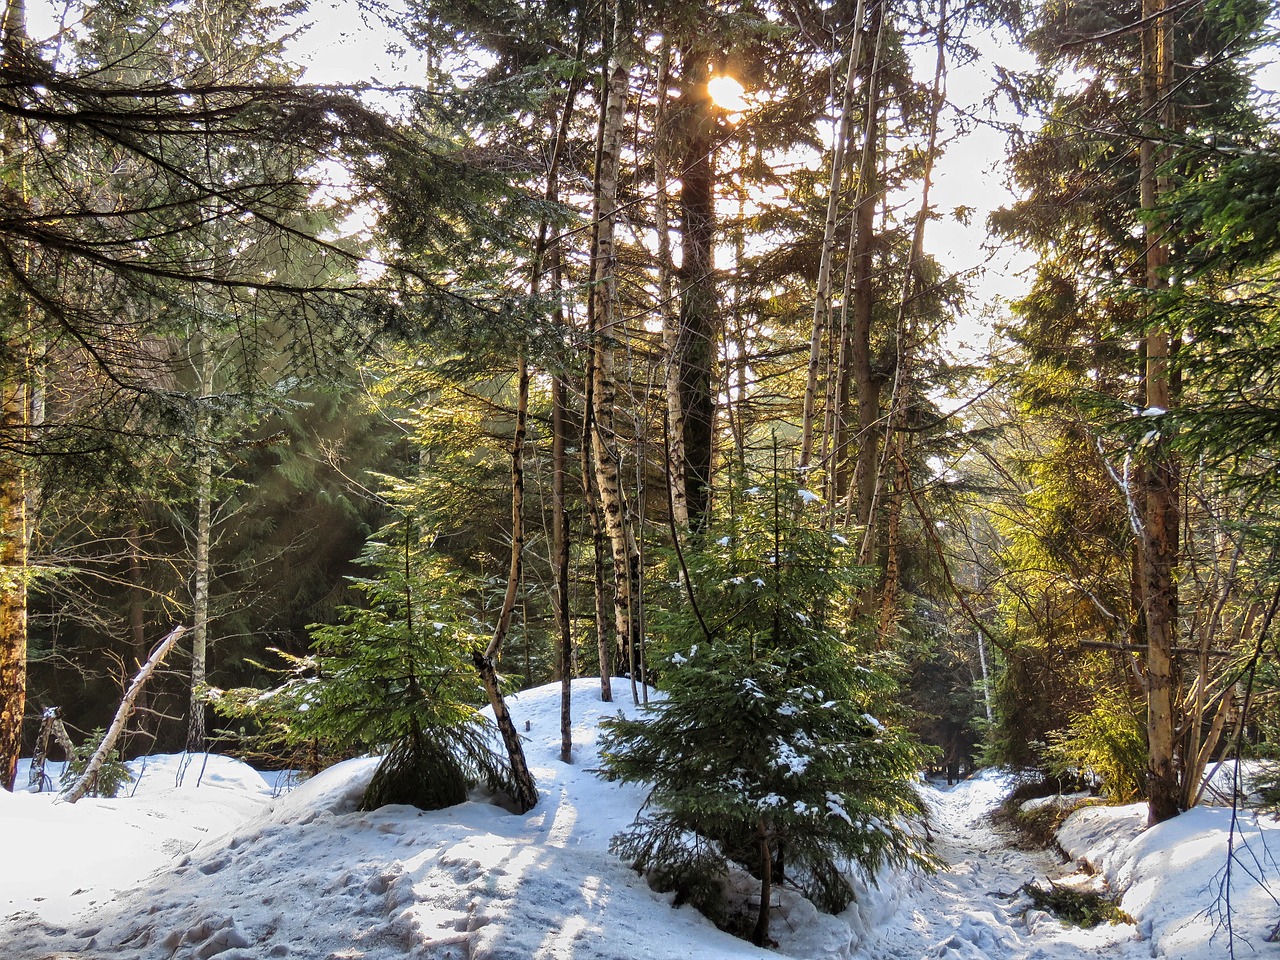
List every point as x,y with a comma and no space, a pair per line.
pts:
227,868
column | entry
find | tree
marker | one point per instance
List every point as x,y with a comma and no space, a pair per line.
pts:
1110,274
108,239
766,750
394,675
16,414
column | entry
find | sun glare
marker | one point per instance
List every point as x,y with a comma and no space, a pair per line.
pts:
727,94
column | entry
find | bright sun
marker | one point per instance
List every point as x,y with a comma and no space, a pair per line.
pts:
727,94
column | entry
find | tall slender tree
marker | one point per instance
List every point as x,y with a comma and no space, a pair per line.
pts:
1109,274
16,395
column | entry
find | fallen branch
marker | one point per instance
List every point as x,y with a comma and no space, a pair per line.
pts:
85,781
51,725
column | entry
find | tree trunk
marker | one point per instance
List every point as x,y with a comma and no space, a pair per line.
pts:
137,605
85,782
1160,477
1199,745
560,563
15,403
672,341
822,292
760,936
893,539
196,733
51,725
599,550
609,330
552,251
698,338
526,792
906,330
14,539
986,677
866,383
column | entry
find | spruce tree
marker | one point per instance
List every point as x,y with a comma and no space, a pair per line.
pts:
393,675
766,751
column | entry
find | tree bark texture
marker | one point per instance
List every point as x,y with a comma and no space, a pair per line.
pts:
196,731
15,403
14,539
698,338
526,793
609,331
671,331
599,551
1160,480
51,726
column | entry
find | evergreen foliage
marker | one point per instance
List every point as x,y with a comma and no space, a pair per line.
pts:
1083,908
766,745
111,776
393,675
1108,743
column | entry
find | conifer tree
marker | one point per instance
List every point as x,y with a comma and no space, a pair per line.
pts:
393,675
1103,329
766,751
116,148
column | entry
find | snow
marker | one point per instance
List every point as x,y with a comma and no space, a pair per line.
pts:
1175,877
836,808
226,866
787,757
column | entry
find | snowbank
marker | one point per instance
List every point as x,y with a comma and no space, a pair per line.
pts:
224,866
62,858
233,873
1178,877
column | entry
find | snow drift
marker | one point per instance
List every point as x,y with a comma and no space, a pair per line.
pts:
223,866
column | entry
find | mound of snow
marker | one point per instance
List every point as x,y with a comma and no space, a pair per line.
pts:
1179,877
308,876
64,858
217,867
333,791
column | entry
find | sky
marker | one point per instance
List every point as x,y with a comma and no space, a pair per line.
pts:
970,174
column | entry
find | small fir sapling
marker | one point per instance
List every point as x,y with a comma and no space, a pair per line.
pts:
766,751
111,776
393,676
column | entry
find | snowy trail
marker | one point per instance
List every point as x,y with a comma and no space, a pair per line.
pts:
974,908
223,868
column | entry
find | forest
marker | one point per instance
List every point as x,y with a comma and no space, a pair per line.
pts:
616,344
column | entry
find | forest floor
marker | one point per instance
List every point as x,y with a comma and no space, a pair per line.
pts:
225,865
976,906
